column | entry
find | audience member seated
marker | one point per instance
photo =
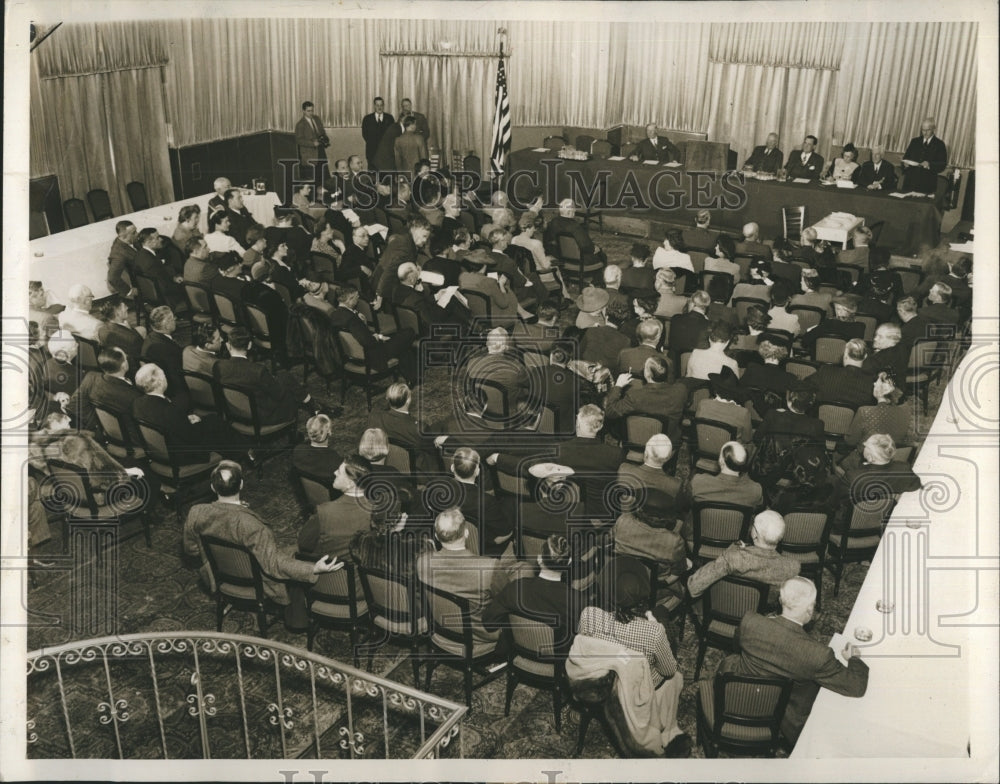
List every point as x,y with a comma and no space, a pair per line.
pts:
722,261
565,223
848,382
390,545
43,308
491,524
379,348
193,440
540,336
670,254
719,292
149,261
858,255
652,474
766,383
810,486
689,330
108,388
117,331
744,345
203,353
121,260
545,596
633,359
592,304
751,244
784,429
457,570
603,342
219,237
779,647
402,428
640,275
732,485
891,414
654,396
218,201
231,282
317,457
483,277
842,325
938,309
914,325
240,219
61,371
162,349
607,638
700,238
760,562
671,303
198,268
705,362
187,229
330,529
725,405
324,258
759,283
501,365
652,530
77,317
890,352
355,264
811,295
230,519
780,317
871,475
415,295
256,246
612,284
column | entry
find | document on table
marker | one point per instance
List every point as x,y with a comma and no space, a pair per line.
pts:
541,149
673,164
898,195
616,158
802,180
652,162
846,184
908,162
837,644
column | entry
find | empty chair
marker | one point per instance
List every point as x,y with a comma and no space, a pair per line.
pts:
356,368
583,142
837,416
100,204
741,714
828,350
638,430
86,352
167,464
239,582
76,213
533,659
554,143
336,601
809,315
204,397
861,539
710,436
800,368
793,220
137,196
601,149
396,614
807,533
199,300
239,408
120,437
572,261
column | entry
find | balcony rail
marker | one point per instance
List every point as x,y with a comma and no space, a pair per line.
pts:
189,695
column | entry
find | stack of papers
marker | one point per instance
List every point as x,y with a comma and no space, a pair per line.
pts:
652,162
616,158
541,149
845,184
673,164
802,180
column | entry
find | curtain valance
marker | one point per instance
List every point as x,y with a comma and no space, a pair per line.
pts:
777,44
81,49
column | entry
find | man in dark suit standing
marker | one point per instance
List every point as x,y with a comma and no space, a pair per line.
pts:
778,646
765,157
121,258
805,164
877,174
310,137
925,158
410,147
373,127
385,154
655,148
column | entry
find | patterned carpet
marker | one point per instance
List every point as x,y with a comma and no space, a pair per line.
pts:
155,592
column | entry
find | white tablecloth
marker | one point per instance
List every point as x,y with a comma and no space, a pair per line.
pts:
938,562
81,255
837,227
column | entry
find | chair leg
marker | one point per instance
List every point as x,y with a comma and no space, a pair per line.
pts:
262,622
702,647
220,613
415,659
311,635
511,685
581,736
557,706
431,665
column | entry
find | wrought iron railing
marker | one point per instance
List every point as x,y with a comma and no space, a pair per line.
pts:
183,695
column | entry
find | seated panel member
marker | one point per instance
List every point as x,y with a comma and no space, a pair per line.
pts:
877,174
805,163
766,157
655,148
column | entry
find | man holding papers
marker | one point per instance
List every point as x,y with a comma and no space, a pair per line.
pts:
925,158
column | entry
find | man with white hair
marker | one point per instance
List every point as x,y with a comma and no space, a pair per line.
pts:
412,293
779,646
877,174
925,158
633,360
890,353
76,318
760,561
655,148
61,372
612,284
218,201
501,367
652,475
751,244
731,485
565,223
766,157
938,309
877,478
671,303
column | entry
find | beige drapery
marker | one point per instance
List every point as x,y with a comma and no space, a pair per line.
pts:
97,111
895,74
788,44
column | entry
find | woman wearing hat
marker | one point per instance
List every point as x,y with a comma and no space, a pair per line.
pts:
592,302
630,624
843,167
725,405
890,414
810,485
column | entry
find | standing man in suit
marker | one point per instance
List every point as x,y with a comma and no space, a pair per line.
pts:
927,157
121,259
373,127
779,646
877,174
310,137
805,163
765,157
406,110
655,148
410,147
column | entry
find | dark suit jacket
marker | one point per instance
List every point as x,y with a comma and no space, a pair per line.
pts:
635,359
664,152
934,152
199,271
764,161
276,401
307,136
125,338
896,358
372,131
838,383
759,379
562,393
399,249
810,170
385,154
638,278
664,401
865,175
503,304
239,222
172,418
688,331
467,575
833,328
107,391
560,225
603,344
788,426
422,127
778,647
349,321
168,355
120,259
232,288
408,149
147,264
270,301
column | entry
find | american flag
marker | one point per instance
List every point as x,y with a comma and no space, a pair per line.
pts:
501,122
